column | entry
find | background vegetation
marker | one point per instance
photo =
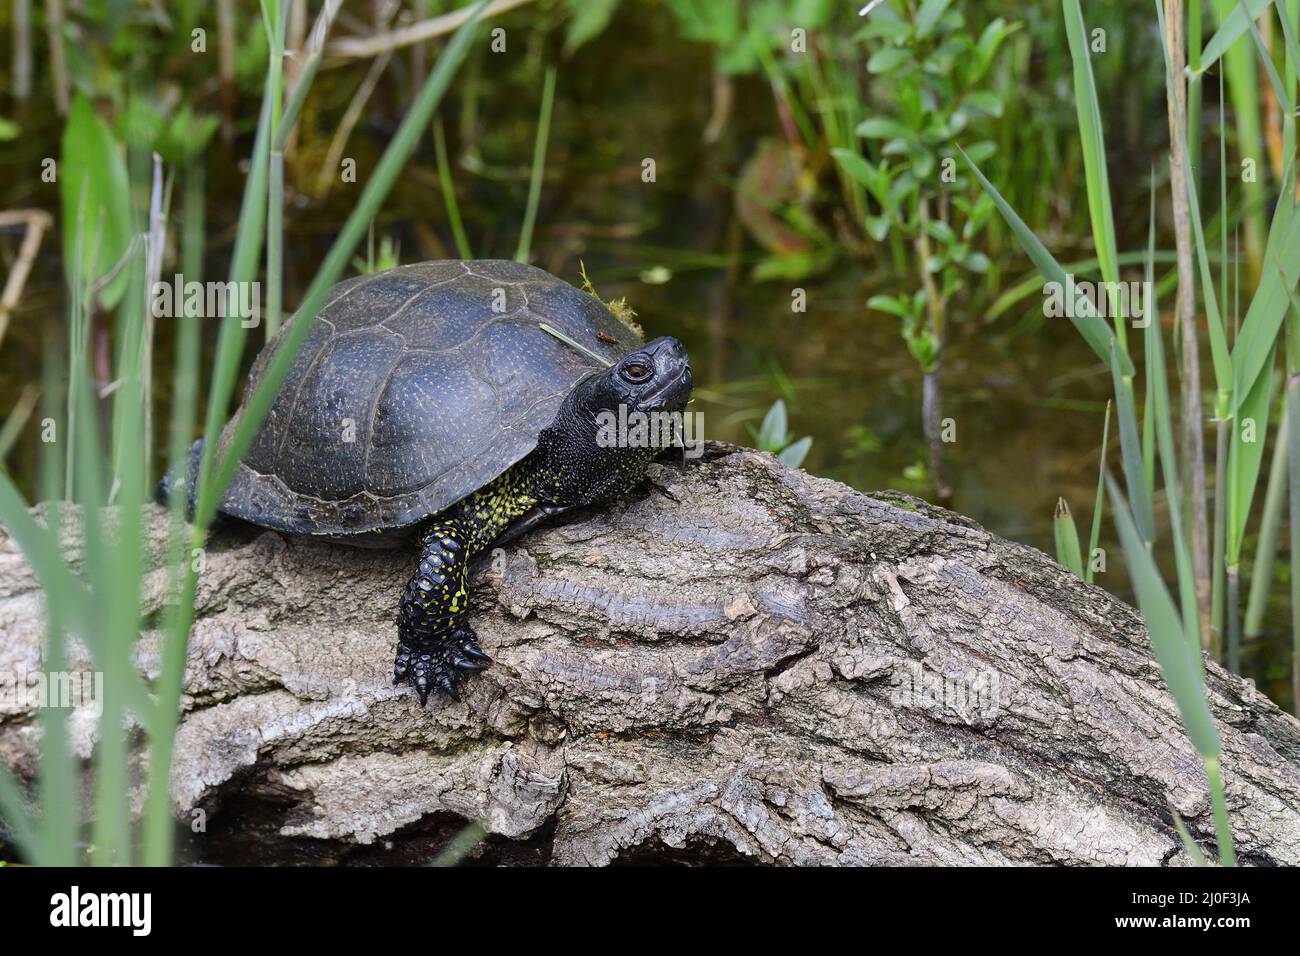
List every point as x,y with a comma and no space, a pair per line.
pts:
850,222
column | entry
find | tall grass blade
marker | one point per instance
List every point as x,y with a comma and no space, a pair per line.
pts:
1231,29
1095,332
1194,852
1289,44
243,269
1214,772
1179,661
539,167
1131,452
1176,656
1279,90
1293,476
275,195
1246,457
1243,92
449,191
1099,504
19,819
310,64
1261,571
1093,141
1253,350
1163,416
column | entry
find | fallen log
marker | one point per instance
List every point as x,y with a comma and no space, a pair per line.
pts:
739,662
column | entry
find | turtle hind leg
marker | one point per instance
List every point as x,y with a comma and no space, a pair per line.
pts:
435,643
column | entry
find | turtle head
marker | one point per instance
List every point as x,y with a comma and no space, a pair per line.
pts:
614,422
654,378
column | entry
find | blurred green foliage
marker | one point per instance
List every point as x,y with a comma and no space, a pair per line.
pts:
936,68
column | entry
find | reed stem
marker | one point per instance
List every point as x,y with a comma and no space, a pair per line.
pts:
539,167
1261,572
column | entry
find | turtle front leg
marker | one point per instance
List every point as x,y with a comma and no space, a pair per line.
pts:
435,642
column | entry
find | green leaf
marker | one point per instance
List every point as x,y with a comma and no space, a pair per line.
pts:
940,230
987,46
858,168
986,102
981,151
590,18
881,128
885,303
93,184
924,350
793,265
888,59
186,135
793,456
889,29
931,11
1067,539
772,433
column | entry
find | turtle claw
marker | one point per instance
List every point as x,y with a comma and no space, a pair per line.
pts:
465,642
402,666
460,662
441,666
448,685
471,650
423,673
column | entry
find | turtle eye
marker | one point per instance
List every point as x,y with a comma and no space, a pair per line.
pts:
635,372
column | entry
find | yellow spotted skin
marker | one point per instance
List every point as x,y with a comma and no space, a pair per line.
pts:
434,638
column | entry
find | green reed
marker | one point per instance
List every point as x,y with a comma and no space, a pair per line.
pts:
98,599
539,167
1244,368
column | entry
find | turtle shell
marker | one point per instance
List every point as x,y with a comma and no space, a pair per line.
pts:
416,387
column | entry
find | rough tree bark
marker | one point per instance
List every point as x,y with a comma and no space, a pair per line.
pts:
723,667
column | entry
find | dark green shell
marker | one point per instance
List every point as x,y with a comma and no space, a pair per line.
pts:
439,392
